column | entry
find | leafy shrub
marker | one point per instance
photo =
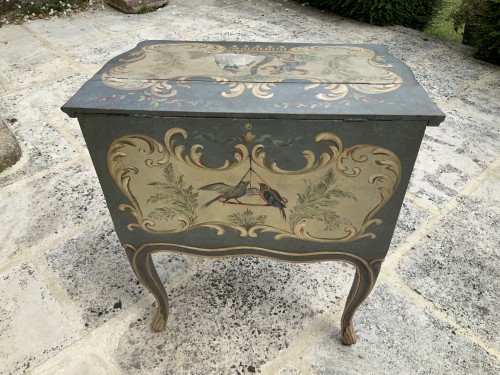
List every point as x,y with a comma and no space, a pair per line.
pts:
482,19
489,33
468,10
410,13
19,10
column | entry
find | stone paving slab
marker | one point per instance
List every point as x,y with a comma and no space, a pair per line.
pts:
437,85
100,52
185,19
456,265
116,22
273,25
90,354
336,34
43,147
289,371
70,127
259,19
32,325
425,346
32,104
233,316
211,4
451,155
235,33
15,32
34,212
67,31
27,71
18,46
434,312
407,49
79,365
454,64
93,269
484,101
411,218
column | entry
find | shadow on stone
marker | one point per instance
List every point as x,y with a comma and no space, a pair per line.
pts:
10,152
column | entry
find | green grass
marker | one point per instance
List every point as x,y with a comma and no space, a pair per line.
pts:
442,25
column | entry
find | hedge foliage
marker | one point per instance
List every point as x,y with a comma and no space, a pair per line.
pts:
410,13
489,33
19,10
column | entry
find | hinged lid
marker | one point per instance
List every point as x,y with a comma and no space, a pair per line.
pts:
256,80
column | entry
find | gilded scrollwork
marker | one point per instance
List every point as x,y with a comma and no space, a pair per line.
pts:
161,69
334,197
194,157
312,162
333,91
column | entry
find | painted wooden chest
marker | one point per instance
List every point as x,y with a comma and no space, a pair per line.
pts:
297,152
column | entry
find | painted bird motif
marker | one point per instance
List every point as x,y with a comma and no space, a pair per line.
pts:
226,192
290,65
273,198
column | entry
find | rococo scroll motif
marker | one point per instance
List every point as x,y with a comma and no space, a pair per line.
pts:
328,72
333,197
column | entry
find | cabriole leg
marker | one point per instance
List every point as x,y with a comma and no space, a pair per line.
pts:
143,266
364,280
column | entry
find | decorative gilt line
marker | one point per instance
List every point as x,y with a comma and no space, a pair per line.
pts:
121,175
355,298
262,90
354,260
380,260
194,159
326,157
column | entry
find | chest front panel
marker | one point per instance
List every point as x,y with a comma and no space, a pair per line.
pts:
225,182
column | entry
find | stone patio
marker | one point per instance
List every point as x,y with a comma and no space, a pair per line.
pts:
70,304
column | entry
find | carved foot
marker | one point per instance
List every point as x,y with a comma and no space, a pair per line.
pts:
348,335
159,322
